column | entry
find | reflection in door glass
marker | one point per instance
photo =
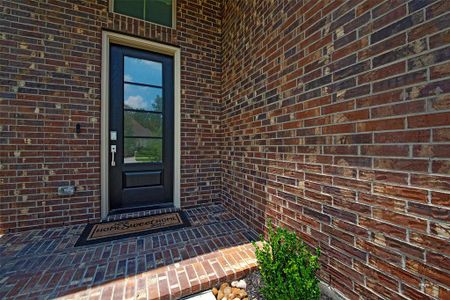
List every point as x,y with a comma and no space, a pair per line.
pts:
137,70
143,106
142,97
142,124
142,150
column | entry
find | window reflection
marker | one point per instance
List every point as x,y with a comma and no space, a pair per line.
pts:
142,97
137,70
142,124
141,150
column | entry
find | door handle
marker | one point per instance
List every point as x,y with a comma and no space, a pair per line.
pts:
113,154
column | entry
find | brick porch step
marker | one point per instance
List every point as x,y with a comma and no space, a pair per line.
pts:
44,264
177,280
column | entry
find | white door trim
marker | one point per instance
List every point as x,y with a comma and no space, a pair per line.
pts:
121,39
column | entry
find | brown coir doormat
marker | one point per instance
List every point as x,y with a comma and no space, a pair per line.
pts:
108,231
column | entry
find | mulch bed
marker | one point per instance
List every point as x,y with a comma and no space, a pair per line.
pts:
254,283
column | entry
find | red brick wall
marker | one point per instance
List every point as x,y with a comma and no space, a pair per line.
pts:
333,117
337,125
50,80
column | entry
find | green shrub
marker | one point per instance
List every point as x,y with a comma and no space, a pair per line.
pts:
287,267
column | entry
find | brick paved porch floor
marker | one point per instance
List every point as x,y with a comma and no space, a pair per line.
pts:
45,264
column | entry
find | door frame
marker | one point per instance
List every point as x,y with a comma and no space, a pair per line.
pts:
108,38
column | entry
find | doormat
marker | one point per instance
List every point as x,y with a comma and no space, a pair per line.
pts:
114,230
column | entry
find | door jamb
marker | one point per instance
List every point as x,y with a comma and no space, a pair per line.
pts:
124,40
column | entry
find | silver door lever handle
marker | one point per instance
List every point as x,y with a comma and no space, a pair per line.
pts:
113,152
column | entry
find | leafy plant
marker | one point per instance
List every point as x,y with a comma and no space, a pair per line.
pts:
287,267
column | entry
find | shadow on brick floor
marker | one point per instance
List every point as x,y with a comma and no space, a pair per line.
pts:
45,263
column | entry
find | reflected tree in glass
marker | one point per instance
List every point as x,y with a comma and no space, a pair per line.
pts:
143,149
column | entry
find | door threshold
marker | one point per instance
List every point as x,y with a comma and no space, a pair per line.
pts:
118,211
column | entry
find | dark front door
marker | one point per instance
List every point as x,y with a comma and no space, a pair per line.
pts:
141,129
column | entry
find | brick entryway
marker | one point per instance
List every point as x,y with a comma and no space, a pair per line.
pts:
170,264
